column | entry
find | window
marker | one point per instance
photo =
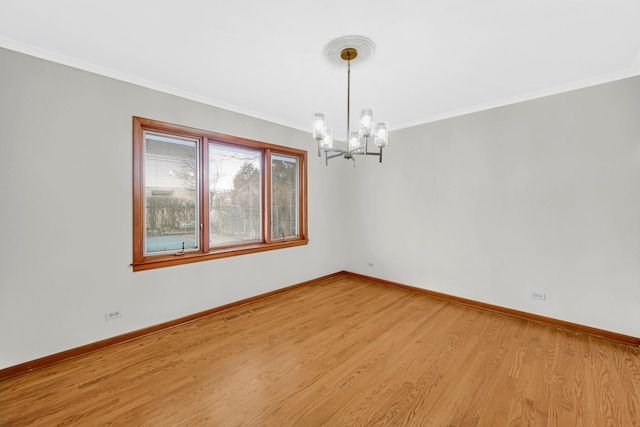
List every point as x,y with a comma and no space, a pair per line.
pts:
200,195
285,209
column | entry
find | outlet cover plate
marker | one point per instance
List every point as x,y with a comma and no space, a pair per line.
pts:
110,315
539,295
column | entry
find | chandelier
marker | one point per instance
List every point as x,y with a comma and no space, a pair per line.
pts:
349,48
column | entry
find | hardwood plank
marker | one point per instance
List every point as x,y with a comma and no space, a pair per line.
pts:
343,351
83,350
511,312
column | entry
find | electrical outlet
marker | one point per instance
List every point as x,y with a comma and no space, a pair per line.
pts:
539,295
110,315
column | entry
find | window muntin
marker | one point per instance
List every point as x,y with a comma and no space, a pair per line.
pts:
235,195
179,175
285,204
170,202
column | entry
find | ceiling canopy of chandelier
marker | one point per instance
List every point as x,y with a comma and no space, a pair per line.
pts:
347,49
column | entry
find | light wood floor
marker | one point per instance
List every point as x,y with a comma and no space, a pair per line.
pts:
343,352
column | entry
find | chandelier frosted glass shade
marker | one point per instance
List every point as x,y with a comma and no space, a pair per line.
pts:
319,126
382,134
326,142
366,122
354,141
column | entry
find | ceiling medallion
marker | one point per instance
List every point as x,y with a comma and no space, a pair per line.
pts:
364,46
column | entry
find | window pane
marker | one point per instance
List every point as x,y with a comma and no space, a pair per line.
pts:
235,195
284,197
170,183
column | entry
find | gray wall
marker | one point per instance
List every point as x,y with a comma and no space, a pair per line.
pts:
66,213
539,196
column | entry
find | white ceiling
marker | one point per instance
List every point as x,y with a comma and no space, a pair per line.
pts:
434,58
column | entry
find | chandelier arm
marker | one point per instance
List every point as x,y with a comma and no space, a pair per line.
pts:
373,154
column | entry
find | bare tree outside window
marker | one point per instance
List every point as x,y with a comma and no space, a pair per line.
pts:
235,207
284,197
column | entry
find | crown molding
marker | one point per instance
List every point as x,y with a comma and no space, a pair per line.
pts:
636,65
138,81
48,55
607,78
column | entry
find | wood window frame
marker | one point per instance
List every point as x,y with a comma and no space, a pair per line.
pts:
205,252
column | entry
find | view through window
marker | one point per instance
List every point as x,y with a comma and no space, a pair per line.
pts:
201,195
